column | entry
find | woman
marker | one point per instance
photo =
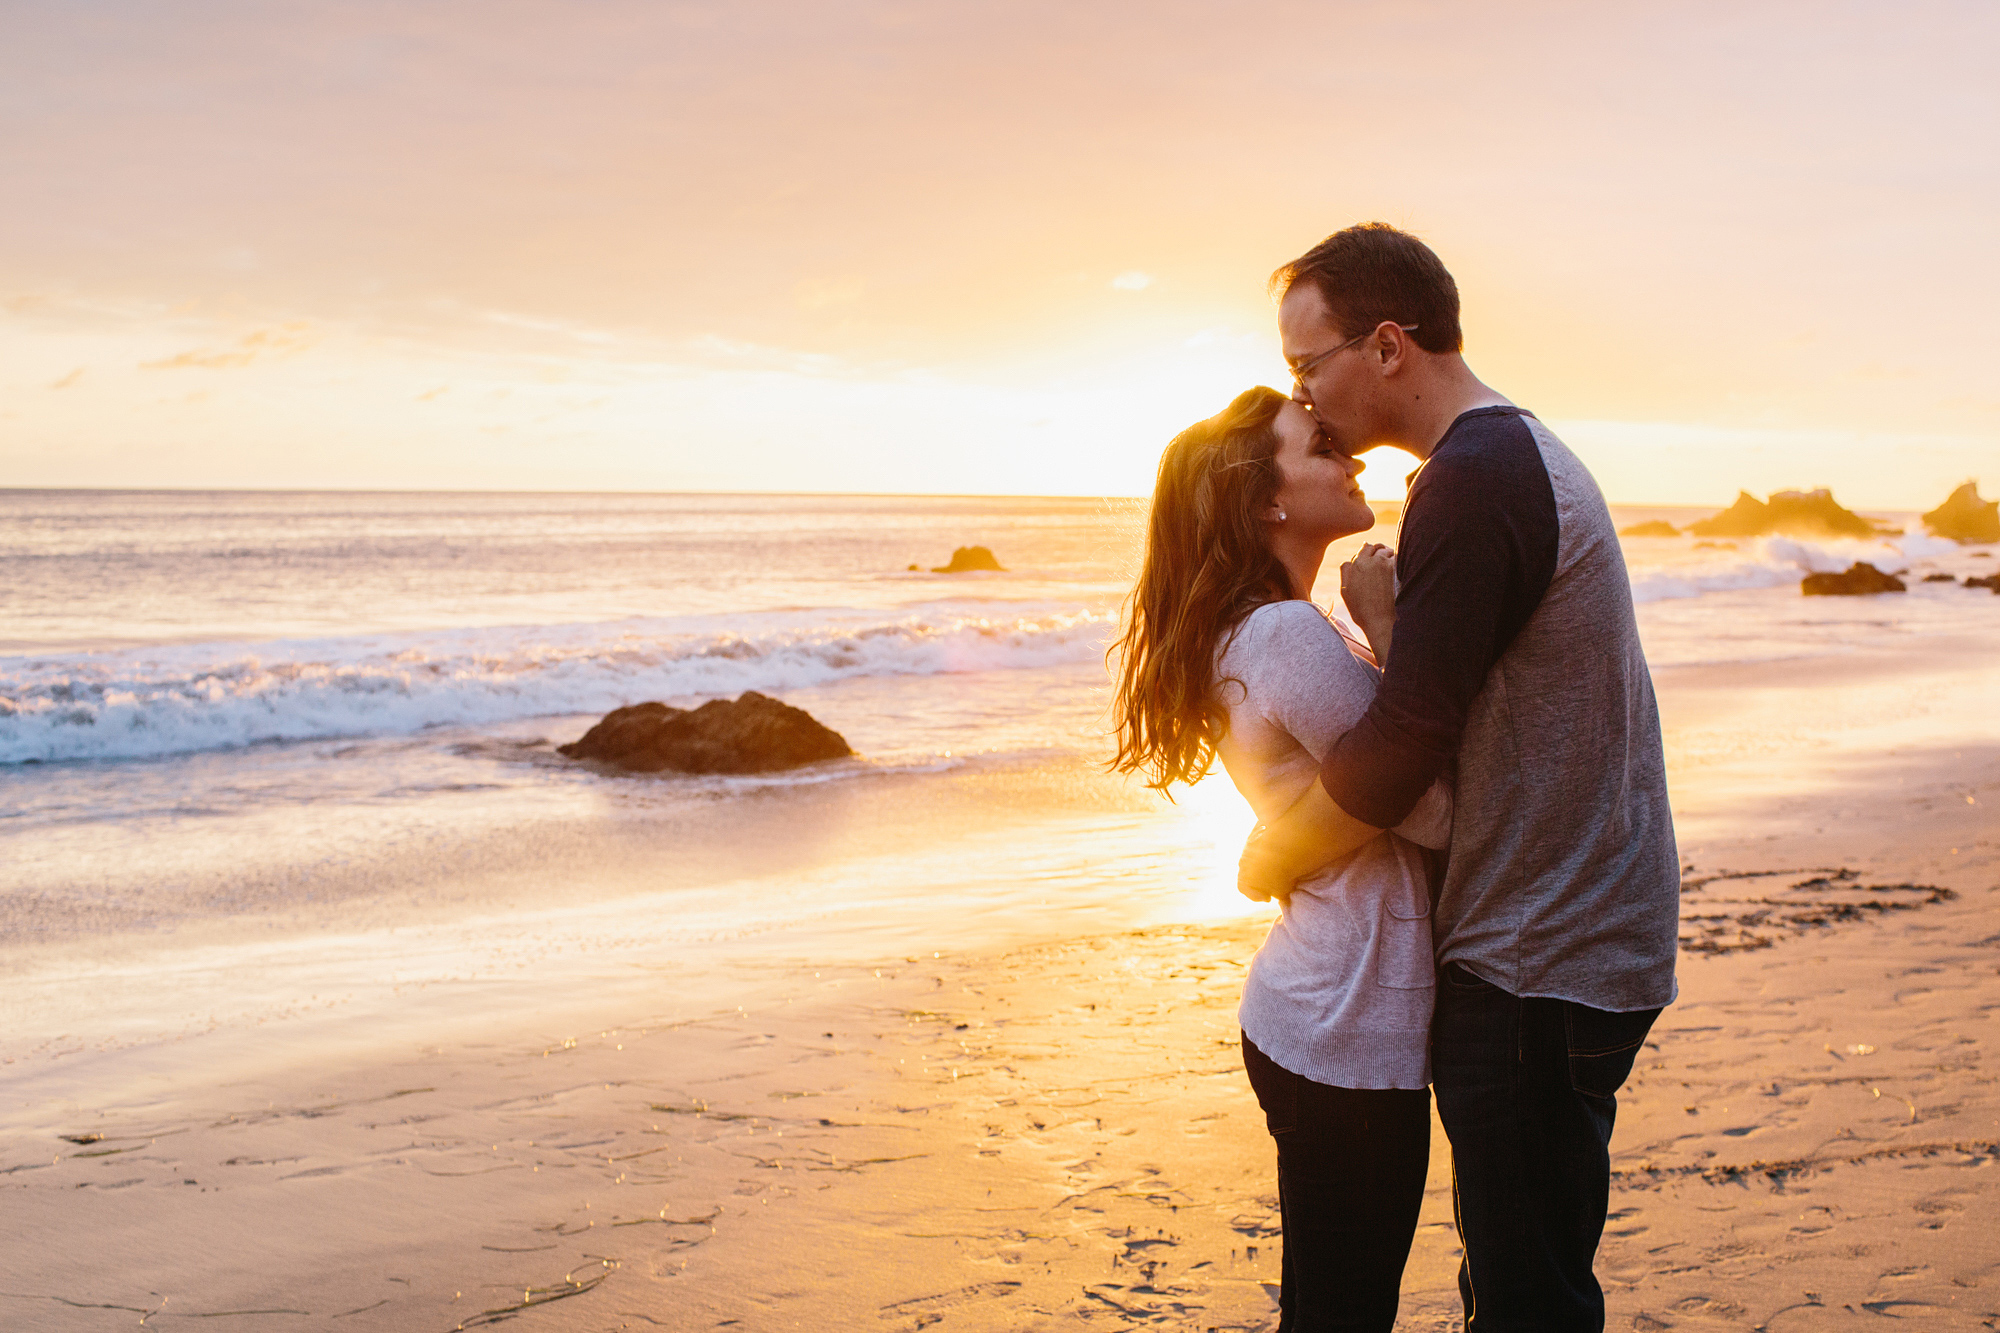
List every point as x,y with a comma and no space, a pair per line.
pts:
1225,655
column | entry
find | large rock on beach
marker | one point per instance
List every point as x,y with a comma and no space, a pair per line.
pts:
968,558
1791,513
1657,527
1964,517
750,734
1983,581
1858,580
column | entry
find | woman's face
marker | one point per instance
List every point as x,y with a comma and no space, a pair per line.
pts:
1317,494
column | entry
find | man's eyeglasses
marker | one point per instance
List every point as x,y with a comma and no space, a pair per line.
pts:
1311,363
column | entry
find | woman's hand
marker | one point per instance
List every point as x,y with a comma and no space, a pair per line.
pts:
1368,586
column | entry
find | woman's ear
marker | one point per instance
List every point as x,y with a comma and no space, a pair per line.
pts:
1273,514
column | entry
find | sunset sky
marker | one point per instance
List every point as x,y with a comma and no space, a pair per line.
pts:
974,247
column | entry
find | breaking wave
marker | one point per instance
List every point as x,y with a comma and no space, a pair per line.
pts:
1773,562
151,702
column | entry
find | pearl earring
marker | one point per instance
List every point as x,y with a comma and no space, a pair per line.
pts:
1281,516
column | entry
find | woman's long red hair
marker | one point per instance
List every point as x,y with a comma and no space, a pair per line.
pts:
1208,565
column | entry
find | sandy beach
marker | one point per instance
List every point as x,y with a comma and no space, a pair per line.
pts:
1054,1130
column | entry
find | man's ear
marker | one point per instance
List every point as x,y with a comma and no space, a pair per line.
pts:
1388,349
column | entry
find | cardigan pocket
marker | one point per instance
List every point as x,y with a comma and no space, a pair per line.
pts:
1408,900
1403,952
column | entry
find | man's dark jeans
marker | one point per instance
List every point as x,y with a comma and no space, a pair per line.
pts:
1526,1090
1351,1165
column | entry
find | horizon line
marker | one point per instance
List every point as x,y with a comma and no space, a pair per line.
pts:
852,495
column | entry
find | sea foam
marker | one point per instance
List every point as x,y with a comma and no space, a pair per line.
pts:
1772,562
141,703
151,702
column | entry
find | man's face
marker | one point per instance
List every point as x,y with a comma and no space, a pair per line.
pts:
1339,388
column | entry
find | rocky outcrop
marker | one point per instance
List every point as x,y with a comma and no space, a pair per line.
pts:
968,558
1964,517
1984,581
1745,518
1940,578
1791,513
1859,580
1657,527
750,734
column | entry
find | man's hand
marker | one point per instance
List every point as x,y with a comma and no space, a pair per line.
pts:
1313,833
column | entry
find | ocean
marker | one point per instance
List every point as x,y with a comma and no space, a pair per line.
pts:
281,759
145,625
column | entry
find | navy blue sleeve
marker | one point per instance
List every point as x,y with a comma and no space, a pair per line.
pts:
1477,552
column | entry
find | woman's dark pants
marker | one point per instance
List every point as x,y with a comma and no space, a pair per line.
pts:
1526,1090
1351,1168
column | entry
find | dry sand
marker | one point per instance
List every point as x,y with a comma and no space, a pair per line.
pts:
1060,1134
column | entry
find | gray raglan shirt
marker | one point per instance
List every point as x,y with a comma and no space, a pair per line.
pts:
1517,657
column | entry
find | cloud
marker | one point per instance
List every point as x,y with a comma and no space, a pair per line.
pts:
1133,281
562,328
68,379
201,360
283,340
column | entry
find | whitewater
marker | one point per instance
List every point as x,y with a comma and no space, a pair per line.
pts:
159,624
140,703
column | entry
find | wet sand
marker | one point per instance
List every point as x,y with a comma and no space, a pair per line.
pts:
1058,1133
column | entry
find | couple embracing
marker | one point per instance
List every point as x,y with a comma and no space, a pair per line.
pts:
1464,819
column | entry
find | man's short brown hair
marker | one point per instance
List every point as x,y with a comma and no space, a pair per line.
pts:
1372,272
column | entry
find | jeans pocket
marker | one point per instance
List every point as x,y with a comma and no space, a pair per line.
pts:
1461,978
1603,1046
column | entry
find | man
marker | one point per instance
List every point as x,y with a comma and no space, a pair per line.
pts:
1516,657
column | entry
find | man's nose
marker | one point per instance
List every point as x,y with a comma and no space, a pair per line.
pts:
1300,396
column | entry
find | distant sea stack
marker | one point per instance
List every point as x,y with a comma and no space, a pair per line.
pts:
1964,517
1792,513
1858,580
1658,527
968,558
753,733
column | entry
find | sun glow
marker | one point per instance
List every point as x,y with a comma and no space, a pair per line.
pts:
1217,820
333,246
